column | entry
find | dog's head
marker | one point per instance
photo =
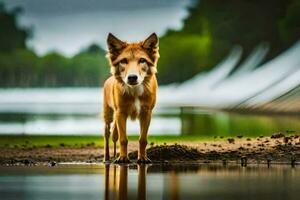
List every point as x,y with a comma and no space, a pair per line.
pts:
131,63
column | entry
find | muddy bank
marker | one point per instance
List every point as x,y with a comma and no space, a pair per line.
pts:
275,149
169,153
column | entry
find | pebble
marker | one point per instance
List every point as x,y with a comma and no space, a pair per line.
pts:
277,135
230,140
243,161
293,160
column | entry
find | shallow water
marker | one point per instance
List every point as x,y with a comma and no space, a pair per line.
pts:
199,181
195,122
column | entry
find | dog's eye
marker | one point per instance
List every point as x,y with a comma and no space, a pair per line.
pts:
124,61
142,61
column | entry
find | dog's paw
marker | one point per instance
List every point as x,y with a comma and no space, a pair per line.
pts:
144,160
122,160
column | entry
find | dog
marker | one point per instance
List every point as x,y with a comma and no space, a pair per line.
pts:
129,92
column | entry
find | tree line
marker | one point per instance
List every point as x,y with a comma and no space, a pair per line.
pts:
212,28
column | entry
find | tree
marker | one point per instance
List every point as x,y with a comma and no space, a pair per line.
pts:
12,37
218,26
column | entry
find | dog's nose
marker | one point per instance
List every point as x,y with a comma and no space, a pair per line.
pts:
132,79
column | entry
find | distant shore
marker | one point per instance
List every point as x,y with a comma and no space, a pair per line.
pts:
278,148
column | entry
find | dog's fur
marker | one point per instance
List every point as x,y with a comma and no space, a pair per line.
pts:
129,92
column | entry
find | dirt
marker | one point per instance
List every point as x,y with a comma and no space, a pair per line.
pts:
274,149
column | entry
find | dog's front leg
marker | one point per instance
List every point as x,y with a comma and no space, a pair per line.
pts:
121,118
145,118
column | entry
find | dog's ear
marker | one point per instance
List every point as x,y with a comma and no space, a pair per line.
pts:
114,44
151,42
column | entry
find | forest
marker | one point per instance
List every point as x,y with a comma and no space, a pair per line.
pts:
211,29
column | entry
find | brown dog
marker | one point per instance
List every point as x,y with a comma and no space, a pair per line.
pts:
130,91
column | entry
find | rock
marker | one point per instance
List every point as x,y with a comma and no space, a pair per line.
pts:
241,148
277,135
269,162
286,139
230,140
27,161
244,161
293,160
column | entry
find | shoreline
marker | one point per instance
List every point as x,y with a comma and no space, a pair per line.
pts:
278,148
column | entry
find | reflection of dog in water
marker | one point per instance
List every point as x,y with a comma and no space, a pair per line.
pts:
116,183
129,92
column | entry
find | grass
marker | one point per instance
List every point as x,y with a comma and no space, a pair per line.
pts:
27,141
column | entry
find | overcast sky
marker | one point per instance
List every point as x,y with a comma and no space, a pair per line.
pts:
68,26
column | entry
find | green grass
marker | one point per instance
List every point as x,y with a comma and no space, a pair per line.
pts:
82,141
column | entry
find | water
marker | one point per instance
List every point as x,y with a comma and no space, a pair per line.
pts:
76,111
216,123
198,181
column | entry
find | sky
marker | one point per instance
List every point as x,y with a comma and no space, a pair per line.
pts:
68,26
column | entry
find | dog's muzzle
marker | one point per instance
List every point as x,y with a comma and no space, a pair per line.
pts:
132,79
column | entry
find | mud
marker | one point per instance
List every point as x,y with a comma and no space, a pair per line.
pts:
170,153
274,149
